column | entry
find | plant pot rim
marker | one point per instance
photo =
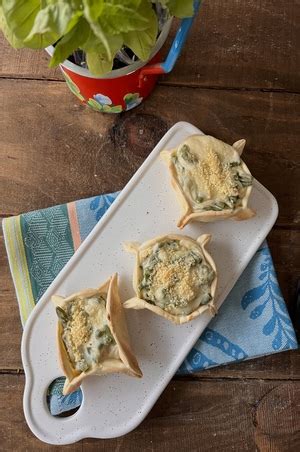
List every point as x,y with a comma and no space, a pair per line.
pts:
124,70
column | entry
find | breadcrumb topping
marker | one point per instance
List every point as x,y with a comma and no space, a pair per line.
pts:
178,278
79,331
214,176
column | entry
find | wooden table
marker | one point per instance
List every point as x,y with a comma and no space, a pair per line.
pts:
238,77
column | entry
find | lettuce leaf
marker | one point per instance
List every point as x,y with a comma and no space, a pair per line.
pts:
93,9
122,16
179,8
9,35
20,16
49,25
70,42
96,56
142,42
92,14
99,27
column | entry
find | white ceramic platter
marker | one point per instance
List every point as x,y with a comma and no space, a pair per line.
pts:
114,405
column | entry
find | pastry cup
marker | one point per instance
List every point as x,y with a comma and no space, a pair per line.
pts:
123,362
139,303
198,143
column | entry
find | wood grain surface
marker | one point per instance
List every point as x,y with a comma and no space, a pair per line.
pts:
201,415
56,150
238,77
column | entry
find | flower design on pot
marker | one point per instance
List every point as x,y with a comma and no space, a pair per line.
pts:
103,100
104,104
74,88
132,100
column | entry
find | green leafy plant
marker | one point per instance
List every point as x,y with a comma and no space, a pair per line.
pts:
97,28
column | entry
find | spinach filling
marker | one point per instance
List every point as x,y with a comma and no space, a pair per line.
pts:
85,340
245,180
184,159
187,155
175,277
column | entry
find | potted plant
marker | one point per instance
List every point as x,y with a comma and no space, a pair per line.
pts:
108,50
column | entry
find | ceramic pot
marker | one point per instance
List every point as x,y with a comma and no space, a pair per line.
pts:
125,88
118,90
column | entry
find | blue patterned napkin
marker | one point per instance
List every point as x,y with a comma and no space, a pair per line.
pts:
253,321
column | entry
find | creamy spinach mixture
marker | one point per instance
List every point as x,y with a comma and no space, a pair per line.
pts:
175,276
213,181
86,334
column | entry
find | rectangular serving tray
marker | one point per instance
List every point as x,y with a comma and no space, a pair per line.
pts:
114,405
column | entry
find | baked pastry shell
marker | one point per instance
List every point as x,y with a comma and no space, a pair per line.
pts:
117,323
139,303
189,215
